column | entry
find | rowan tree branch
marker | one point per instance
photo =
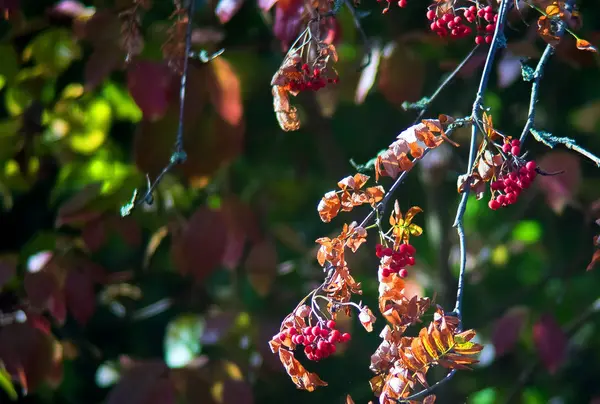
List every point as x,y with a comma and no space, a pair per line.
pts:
497,42
536,77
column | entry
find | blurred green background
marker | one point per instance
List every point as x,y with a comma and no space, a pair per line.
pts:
201,279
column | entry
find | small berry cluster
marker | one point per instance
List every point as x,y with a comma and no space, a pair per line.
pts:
448,24
507,188
319,342
311,80
453,25
395,262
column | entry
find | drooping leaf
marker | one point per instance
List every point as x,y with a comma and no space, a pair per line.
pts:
199,247
550,342
507,330
153,100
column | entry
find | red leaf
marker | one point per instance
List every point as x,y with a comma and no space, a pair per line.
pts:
94,234
560,189
79,295
57,306
40,286
507,330
550,341
150,86
199,249
237,392
227,9
288,21
145,382
241,226
26,351
225,91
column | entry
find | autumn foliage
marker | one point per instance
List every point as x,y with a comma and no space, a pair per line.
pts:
151,210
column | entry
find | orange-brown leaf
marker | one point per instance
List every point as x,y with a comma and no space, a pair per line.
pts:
287,115
582,44
595,260
302,378
329,206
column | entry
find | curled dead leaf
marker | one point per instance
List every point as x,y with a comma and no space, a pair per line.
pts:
366,318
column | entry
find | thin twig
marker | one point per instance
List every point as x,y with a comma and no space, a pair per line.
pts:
362,33
447,81
179,156
539,73
537,77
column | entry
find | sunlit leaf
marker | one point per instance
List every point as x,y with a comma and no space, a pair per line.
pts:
582,44
182,339
53,49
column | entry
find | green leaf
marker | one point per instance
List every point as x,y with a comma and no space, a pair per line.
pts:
6,384
485,396
527,231
54,50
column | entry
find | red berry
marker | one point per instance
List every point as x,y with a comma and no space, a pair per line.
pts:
493,204
387,252
501,199
300,339
403,273
402,3
316,331
306,330
506,147
321,345
457,20
345,337
430,14
308,349
515,142
334,336
331,324
516,150
282,336
332,348
310,339
324,333
532,175
480,12
489,39
410,261
385,272
292,332
530,166
472,9
410,249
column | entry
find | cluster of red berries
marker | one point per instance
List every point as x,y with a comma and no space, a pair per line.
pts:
308,81
509,186
319,342
453,25
398,261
